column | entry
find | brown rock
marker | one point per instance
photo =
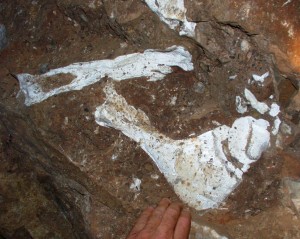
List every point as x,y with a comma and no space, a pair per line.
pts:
293,193
57,176
276,21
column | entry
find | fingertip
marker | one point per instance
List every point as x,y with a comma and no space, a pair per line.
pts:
175,207
165,200
149,209
164,203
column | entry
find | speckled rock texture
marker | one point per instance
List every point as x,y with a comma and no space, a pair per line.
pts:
62,175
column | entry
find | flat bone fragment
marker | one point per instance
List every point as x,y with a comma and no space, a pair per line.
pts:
255,104
248,139
197,168
276,125
153,64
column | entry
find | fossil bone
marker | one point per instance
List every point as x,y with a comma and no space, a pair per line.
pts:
152,64
172,12
198,168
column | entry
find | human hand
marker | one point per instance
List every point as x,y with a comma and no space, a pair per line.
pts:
166,221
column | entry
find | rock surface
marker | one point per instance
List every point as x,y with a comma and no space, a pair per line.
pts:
3,37
293,193
65,176
273,24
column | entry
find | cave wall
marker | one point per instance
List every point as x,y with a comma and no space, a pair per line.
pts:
57,163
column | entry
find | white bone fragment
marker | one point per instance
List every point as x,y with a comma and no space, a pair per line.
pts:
154,176
136,185
259,106
245,45
197,167
233,77
241,106
261,78
172,12
248,139
275,110
276,125
286,3
152,64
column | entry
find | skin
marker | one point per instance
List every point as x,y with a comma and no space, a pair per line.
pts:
166,221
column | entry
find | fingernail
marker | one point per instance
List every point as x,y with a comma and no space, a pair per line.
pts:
166,200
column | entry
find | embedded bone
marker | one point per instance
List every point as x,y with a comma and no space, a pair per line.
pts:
172,12
197,168
152,64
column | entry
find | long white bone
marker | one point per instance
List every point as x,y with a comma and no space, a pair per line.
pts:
198,168
152,64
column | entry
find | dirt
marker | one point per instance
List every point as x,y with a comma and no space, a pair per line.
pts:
56,81
64,176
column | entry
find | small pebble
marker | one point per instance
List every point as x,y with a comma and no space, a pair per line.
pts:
149,167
